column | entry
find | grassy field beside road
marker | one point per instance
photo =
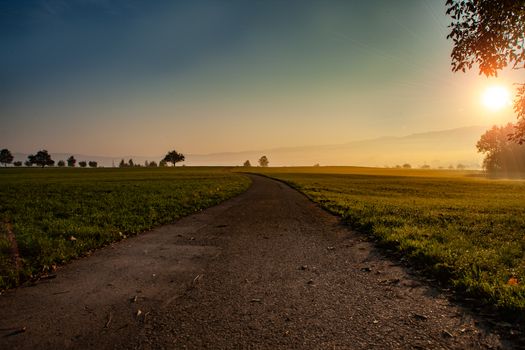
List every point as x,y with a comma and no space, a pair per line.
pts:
55,215
466,230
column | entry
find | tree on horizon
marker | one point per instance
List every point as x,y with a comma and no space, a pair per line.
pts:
501,154
174,157
71,161
6,157
41,158
247,164
263,161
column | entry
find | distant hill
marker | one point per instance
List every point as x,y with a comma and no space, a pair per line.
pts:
435,148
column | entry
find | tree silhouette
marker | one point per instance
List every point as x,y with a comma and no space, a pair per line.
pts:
41,158
490,34
92,164
247,164
6,157
17,163
82,164
501,154
174,157
71,161
61,163
263,161
130,163
122,164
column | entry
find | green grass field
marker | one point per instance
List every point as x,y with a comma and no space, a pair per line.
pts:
59,214
466,230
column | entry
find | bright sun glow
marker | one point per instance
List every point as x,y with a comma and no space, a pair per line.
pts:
496,98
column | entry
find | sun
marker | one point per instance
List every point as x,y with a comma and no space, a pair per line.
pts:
496,98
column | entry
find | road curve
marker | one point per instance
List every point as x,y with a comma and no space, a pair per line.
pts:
265,270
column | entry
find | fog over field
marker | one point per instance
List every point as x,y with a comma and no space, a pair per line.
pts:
436,149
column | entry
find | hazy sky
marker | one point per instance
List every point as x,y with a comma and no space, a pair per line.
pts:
116,77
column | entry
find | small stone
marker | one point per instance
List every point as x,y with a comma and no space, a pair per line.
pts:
446,334
420,317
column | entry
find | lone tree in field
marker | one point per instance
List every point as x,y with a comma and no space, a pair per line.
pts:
6,157
82,164
174,157
263,161
247,164
92,164
61,163
490,34
41,158
71,161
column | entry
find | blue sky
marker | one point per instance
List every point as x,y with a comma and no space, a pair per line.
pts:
140,77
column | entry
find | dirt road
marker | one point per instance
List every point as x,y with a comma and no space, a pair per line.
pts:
265,270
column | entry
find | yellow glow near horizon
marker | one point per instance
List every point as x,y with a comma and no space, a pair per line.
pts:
496,98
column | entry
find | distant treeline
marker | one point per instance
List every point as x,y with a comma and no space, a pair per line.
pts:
147,164
42,159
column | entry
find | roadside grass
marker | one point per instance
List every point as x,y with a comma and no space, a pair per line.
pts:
464,229
56,215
